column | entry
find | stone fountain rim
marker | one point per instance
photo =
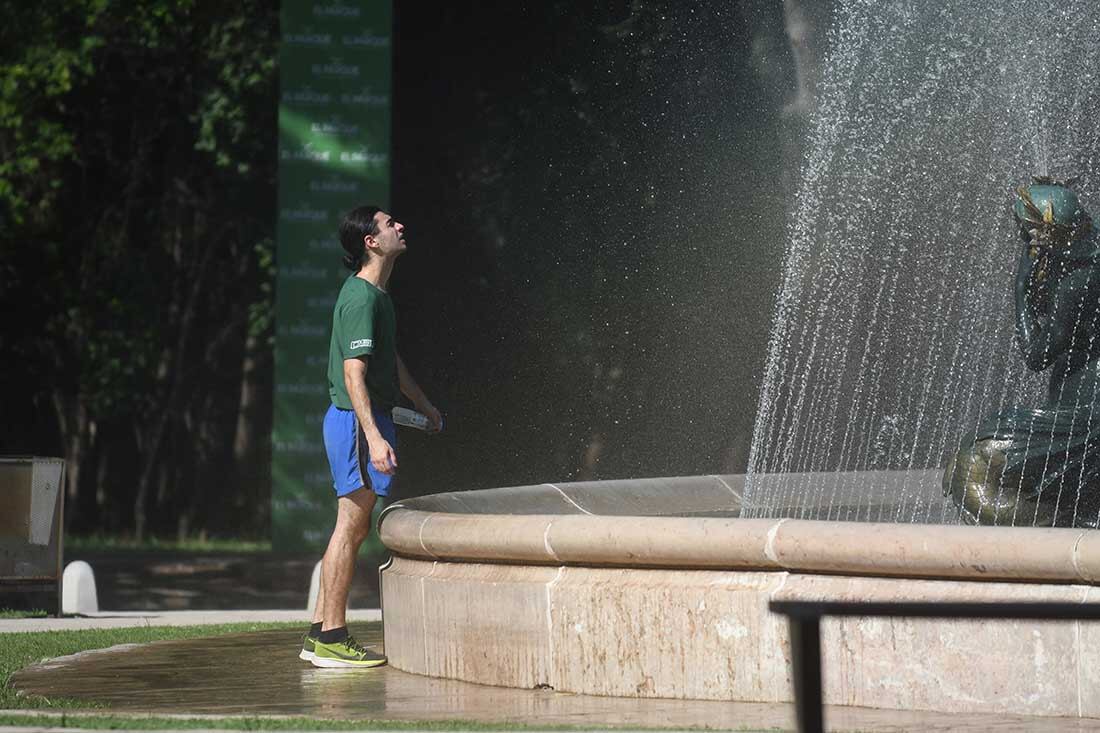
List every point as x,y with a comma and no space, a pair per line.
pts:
455,527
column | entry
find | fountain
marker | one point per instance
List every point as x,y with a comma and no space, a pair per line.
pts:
893,343
1039,466
894,330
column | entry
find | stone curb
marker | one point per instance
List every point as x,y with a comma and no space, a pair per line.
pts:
1029,554
131,619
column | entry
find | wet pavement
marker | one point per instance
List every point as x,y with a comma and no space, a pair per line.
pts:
259,674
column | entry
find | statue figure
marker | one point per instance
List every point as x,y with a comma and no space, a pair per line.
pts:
1041,466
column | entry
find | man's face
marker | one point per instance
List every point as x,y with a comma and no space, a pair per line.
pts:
390,239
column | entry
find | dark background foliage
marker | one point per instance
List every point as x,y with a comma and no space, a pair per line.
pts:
595,198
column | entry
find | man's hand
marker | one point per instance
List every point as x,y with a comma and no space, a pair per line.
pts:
382,456
435,420
412,390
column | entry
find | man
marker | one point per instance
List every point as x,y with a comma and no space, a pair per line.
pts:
365,374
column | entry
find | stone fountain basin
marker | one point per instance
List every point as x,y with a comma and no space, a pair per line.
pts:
658,588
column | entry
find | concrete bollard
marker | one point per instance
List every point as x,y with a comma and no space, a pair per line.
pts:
314,587
78,594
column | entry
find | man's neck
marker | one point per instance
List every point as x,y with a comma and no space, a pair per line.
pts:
376,271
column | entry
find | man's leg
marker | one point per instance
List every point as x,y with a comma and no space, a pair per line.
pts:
335,647
353,517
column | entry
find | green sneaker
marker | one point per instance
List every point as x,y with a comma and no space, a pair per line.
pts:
346,653
308,651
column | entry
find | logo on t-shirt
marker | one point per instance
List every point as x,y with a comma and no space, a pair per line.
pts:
362,344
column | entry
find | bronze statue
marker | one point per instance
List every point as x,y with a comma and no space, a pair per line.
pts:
1041,466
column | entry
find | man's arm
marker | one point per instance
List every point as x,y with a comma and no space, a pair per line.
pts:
412,390
355,379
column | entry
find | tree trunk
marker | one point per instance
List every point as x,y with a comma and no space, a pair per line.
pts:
183,526
72,418
245,436
149,449
590,459
806,28
171,368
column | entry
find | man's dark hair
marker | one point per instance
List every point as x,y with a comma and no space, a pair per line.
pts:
358,224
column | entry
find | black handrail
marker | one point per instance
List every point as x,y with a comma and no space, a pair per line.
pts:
804,618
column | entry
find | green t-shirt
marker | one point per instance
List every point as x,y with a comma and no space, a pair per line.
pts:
364,324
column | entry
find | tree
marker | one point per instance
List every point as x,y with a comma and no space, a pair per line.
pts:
137,192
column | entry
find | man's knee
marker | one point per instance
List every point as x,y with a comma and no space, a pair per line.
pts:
353,527
360,529
353,517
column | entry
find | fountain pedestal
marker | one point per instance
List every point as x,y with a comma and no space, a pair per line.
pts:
675,606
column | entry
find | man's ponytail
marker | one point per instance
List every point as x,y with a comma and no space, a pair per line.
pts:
358,224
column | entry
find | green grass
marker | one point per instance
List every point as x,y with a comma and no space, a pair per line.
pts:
18,650
9,613
110,543
123,543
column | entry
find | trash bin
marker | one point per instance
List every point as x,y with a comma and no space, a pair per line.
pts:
31,529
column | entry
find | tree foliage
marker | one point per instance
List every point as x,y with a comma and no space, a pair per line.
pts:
137,189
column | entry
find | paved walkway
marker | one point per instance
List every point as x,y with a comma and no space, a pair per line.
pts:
259,674
176,580
44,729
128,619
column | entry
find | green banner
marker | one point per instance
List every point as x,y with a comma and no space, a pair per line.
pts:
334,154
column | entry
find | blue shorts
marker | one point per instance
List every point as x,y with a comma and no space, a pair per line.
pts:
348,456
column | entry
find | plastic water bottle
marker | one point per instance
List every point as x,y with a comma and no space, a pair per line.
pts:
412,419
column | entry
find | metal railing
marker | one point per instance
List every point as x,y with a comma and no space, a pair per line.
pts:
805,617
